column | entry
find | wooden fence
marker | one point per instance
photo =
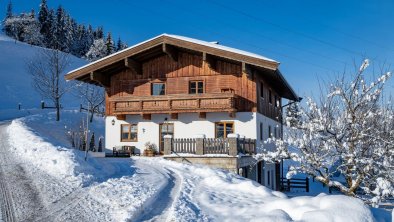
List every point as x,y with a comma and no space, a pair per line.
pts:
201,146
288,184
184,145
247,146
216,146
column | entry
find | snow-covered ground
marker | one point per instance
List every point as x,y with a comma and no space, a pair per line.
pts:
16,81
150,189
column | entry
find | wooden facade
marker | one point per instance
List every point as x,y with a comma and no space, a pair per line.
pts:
231,82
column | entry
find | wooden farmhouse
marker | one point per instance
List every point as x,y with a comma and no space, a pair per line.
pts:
195,101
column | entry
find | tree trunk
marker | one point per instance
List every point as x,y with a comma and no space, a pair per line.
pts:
57,109
91,115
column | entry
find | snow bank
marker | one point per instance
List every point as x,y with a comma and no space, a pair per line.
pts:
211,194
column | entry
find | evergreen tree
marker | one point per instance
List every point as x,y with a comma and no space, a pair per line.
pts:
45,18
99,33
120,45
97,50
9,11
100,145
7,27
110,48
91,144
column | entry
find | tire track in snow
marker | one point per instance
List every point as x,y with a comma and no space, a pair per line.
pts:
160,207
7,209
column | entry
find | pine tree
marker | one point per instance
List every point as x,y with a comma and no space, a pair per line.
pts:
6,26
100,145
91,144
120,45
45,18
97,50
110,48
9,11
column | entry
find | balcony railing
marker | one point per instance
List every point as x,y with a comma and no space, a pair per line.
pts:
218,102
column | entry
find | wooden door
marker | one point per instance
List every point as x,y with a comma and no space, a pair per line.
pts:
164,129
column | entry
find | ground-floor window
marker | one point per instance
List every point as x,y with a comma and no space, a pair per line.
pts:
222,129
128,133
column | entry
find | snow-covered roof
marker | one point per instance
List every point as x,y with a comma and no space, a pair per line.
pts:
124,53
218,46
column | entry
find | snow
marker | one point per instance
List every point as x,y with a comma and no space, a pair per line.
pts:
200,42
154,189
16,81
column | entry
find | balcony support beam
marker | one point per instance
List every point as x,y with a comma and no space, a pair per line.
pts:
202,115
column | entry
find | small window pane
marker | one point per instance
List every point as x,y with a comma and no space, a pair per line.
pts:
158,89
125,132
229,128
219,130
200,87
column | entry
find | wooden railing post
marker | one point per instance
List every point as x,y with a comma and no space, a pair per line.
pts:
232,144
167,144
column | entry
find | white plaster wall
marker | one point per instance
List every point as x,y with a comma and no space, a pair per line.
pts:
266,123
186,126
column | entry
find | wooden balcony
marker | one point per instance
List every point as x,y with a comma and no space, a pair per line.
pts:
182,103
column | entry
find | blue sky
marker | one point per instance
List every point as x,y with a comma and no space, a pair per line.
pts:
311,39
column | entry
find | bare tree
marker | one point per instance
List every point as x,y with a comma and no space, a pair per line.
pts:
93,96
346,140
47,70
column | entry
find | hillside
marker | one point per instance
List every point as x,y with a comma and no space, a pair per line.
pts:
16,81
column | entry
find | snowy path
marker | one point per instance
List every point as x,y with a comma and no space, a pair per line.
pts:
20,198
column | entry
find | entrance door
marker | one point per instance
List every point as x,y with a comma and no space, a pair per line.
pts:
165,129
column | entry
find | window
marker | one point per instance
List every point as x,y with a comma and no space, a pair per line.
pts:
269,132
268,178
276,133
270,96
222,129
261,131
158,89
128,133
261,90
196,87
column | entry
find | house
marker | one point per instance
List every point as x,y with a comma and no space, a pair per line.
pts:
197,101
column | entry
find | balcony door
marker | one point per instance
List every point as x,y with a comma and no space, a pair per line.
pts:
165,129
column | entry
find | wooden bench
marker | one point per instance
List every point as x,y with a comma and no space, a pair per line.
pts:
123,150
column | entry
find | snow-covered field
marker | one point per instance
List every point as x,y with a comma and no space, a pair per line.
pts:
15,80
153,189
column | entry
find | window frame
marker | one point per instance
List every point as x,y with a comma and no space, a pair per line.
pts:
129,138
155,83
196,88
224,127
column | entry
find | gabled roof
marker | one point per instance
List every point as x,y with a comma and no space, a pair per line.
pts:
180,41
84,72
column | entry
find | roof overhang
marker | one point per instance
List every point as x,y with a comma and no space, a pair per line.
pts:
171,40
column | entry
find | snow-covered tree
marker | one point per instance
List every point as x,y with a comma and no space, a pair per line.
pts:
47,71
350,133
24,27
293,113
97,51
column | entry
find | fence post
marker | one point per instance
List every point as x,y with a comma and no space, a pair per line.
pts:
199,146
307,184
288,185
232,144
167,144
